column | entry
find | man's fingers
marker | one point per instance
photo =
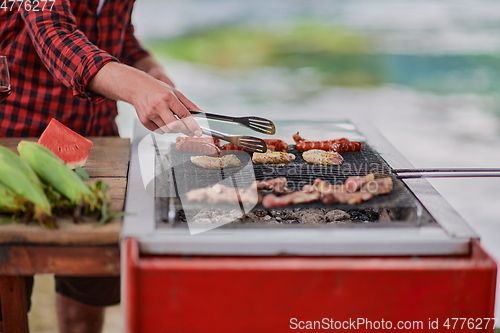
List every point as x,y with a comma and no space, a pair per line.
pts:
190,122
187,103
175,125
180,110
152,126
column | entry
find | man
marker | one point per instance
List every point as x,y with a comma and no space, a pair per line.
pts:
64,59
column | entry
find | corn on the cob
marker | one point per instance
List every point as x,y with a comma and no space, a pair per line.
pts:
17,175
55,173
10,202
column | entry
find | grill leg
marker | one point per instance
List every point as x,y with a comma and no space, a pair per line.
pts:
13,304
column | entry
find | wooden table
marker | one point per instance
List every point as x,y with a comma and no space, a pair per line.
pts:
82,249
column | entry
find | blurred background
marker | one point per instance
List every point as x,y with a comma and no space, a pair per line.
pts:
425,73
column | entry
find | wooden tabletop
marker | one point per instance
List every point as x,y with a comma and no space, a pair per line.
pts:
108,160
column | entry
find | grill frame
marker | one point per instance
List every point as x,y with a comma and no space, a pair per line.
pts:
450,236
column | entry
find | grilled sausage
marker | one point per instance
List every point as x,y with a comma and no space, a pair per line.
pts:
342,145
231,146
272,144
204,148
276,145
215,141
346,147
297,138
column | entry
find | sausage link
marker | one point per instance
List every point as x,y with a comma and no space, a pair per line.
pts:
231,146
346,147
204,148
297,138
326,145
214,141
276,145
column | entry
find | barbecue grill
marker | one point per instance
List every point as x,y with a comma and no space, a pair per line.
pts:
404,257
411,220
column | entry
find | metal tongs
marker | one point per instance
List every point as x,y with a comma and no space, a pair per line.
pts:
258,124
249,143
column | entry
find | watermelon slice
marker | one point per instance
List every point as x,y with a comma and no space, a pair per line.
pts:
68,145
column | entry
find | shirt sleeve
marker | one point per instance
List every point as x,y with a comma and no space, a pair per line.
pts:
64,50
132,48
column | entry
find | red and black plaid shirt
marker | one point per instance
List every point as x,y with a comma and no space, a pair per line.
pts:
52,56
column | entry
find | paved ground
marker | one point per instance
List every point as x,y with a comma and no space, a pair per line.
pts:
42,317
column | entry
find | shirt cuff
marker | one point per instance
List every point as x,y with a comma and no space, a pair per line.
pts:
89,66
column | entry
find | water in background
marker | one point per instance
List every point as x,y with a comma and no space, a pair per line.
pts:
436,99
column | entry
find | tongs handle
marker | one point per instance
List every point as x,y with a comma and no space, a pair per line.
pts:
216,134
213,116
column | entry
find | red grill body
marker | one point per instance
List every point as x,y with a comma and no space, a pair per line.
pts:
263,294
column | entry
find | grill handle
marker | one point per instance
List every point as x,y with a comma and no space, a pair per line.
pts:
447,173
447,170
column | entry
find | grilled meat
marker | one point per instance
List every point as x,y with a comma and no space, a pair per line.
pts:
272,144
317,156
272,157
273,201
276,145
212,140
355,190
346,198
221,194
352,184
346,147
342,145
205,148
297,138
278,185
231,146
378,186
208,162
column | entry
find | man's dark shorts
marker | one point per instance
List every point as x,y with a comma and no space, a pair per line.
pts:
95,291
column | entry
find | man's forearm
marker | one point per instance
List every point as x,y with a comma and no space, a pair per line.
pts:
119,82
158,105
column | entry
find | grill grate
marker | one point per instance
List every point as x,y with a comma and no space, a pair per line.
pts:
189,176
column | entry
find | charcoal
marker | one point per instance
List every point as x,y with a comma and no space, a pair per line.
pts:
363,215
311,216
335,215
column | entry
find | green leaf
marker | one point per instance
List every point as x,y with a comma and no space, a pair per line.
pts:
82,173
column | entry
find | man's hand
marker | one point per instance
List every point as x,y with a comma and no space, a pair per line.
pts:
159,106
